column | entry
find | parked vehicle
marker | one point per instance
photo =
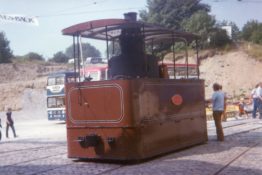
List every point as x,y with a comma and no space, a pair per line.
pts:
138,111
56,94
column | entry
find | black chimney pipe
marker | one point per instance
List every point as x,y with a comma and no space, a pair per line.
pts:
130,16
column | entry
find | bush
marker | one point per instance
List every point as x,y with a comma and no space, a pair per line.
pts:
256,37
254,50
5,51
60,57
219,38
252,31
31,56
249,28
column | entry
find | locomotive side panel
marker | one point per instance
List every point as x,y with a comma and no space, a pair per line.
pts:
100,123
171,114
148,117
101,103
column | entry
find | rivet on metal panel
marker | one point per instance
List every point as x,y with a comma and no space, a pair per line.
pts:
111,141
86,104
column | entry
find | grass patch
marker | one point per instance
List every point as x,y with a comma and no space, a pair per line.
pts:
23,60
253,50
204,53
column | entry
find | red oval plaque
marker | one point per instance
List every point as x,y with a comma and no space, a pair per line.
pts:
177,99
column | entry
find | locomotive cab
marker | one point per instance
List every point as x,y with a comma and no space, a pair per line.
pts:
133,61
138,112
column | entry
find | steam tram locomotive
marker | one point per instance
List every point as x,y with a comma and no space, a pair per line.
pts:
138,112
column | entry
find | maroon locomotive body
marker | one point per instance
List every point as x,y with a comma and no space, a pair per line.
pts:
138,112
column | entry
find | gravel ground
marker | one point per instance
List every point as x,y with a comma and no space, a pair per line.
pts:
41,149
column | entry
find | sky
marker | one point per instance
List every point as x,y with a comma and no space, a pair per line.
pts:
55,15
238,11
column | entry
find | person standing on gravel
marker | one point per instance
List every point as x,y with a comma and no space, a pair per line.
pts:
0,130
224,115
259,93
255,99
9,122
218,100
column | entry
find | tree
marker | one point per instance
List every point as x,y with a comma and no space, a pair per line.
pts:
5,51
170,13
235,29
249,28
256,36
87,49
219,38
200,23
32,56
252,31
60,57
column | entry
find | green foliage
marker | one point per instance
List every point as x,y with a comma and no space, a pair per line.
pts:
253,50
5,51
235,30
256,36
203,24
200,23
187,15
32,56
29,58
88,51
219,38
171,13
252,31
249,28
60,57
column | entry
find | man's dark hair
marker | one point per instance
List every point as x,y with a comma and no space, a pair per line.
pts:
216,86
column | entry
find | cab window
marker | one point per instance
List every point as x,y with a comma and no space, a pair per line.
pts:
51,81
94,75
60,80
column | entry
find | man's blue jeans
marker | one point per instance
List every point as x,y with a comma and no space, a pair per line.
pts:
255,107
260,108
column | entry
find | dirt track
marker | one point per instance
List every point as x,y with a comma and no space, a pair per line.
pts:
41,149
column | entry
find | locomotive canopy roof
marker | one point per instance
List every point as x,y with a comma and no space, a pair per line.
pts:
110,29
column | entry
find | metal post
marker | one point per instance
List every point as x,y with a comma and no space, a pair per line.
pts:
174,56
197,52
186,60
113,50
78,57
144,50
81,53
107,51
152,46
74,55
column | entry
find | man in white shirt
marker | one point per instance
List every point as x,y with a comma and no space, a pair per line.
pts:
0,130
255,100
259,94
